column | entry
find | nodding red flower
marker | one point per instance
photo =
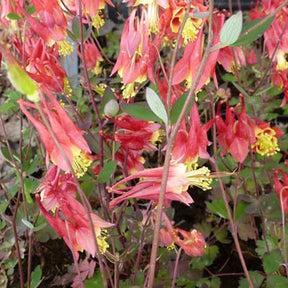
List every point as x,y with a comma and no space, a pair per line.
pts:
280,80
53,25
187,67
193,242
188,146
41,63
266,137
281,188
8,6
177,90
239,131
137,53
67,216
233,133
130,159
149,186
275,41
92,56
69,137
135,134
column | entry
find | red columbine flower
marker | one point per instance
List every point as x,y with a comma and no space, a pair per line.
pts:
131,159
266,137
69,137
193,242
135,134
190,145
68,216
42,63
53,25
281,188
149,186
92,56
137,53
233,133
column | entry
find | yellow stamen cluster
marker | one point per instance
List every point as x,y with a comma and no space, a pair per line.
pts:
266,142
80,163
98,21
65,48
101,241
128,91
97,69
67,88
200,177
282,63
191,29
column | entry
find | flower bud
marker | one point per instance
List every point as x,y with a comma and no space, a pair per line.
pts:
111,108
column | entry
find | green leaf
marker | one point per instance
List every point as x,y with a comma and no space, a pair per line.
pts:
27,224
95,281
206,259
251,31
156,105
36,277
272,261
30,186
139,110
275,281
231,29
106,171
13,16
257,280
218,207
76,28
177,108
30,10
240,210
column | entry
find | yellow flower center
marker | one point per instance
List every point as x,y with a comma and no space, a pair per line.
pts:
128,91
200,178
67,88
80,163
65,48
266,142
98,21
191,30
282,63
101,240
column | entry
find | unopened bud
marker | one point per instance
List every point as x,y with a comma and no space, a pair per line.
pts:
111,108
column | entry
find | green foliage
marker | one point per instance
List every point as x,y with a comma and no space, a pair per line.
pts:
156,105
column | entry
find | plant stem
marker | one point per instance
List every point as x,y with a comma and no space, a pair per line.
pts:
170,144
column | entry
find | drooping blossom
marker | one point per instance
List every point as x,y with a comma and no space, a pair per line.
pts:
281,188
193,242
137,53
177,90
69,137
92,56
52,24
67,216
280,80
188,66
275,37
193,24
42,62
189,145
149,186
233,133
130,159
238,133
266,137
135,134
